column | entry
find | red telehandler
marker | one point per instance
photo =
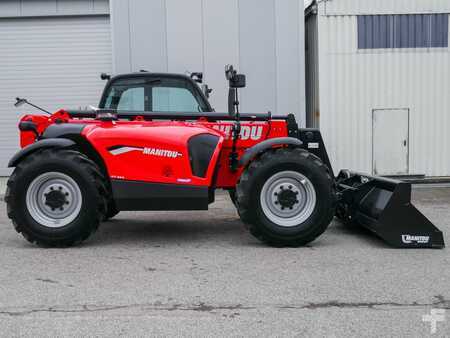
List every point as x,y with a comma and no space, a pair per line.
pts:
155,143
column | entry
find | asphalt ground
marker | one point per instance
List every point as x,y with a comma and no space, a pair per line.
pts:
202,274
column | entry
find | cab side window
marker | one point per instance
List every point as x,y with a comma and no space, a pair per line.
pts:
173,99
132,99
127,95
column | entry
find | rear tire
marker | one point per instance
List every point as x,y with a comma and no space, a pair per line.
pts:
286,197
56,198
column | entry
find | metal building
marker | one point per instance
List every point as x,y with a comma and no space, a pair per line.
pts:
52,51
377,82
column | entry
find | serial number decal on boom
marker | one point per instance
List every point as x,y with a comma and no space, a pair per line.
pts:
117,150
247,132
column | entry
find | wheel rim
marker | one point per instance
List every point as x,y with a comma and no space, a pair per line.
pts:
288,198
53,199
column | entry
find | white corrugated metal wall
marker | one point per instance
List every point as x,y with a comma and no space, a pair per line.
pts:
356,7
52,53
355,82
263,38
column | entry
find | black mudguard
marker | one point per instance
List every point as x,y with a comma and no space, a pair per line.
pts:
384,207
42,144
259,148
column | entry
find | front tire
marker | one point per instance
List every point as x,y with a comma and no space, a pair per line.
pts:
56,198
286,197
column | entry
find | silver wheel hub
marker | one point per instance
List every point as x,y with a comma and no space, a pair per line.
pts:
288,198
53,199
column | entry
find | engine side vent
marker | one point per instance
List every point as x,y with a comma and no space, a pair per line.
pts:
201,148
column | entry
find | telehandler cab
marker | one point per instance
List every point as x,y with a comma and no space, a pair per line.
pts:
155,143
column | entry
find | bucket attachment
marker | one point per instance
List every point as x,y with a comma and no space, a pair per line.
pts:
384,207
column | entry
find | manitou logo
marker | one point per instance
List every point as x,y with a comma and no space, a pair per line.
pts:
408,239
161,152
118,150
247,132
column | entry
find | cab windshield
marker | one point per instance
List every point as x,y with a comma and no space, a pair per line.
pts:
154,95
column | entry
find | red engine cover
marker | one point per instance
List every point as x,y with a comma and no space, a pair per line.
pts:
150,151
157,151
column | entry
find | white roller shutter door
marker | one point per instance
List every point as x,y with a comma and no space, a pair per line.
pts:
54,63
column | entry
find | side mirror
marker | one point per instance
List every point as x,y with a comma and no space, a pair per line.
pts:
19,102
237,81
